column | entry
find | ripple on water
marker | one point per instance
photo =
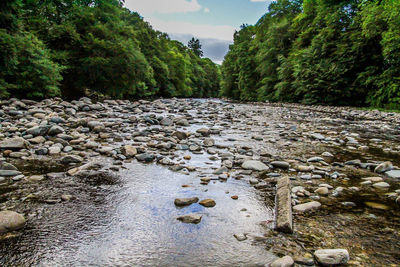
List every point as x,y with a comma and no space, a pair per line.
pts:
135,225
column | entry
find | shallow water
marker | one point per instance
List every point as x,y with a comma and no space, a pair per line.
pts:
134,224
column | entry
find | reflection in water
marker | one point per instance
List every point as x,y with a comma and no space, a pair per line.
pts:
135,225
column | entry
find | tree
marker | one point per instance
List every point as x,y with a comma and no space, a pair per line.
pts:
195,46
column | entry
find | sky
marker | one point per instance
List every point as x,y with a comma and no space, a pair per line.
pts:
212,21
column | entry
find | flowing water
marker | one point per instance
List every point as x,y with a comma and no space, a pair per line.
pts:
133,223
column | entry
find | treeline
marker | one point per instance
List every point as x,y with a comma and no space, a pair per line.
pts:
338,52
73,48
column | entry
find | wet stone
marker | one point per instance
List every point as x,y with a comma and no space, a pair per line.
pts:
209,203
190,218
180,202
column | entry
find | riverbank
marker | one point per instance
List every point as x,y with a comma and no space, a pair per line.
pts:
83,167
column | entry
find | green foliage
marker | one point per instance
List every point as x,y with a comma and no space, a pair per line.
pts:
313,51
71,47
195,46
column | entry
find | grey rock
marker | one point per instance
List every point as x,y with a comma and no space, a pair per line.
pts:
283,206
384,167
254,165
381,185
14,143
286,261
55,129
330,257
37,130
393,174
7,166
146,157
240,237
11,221
315,159
71,159
9,173
307,206
221,170
166,122
208,142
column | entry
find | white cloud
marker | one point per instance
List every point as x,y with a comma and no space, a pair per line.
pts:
148,7
221,32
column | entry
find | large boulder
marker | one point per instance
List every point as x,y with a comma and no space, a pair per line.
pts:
11,221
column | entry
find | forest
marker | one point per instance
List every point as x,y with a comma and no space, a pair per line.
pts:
336,52
72,48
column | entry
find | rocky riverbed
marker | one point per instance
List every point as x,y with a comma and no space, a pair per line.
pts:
193,182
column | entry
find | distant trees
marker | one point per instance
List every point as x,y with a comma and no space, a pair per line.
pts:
195,46
71,47
333,52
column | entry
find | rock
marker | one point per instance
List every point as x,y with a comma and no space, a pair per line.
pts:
37,140
384,167
166,122
190,218
327,155
317,136
323,191
204,131
235,197
209,203
240,237
14,143
37,130
281,164
329,257
180,202
54,150
283,206
315,159
55,129
7,166
302,168
208,142
11,221
307,206
71,159
179,135
286,261
220,170
146,157
254,165
35,178
393,174
381,185
9,173
129,151
377,206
